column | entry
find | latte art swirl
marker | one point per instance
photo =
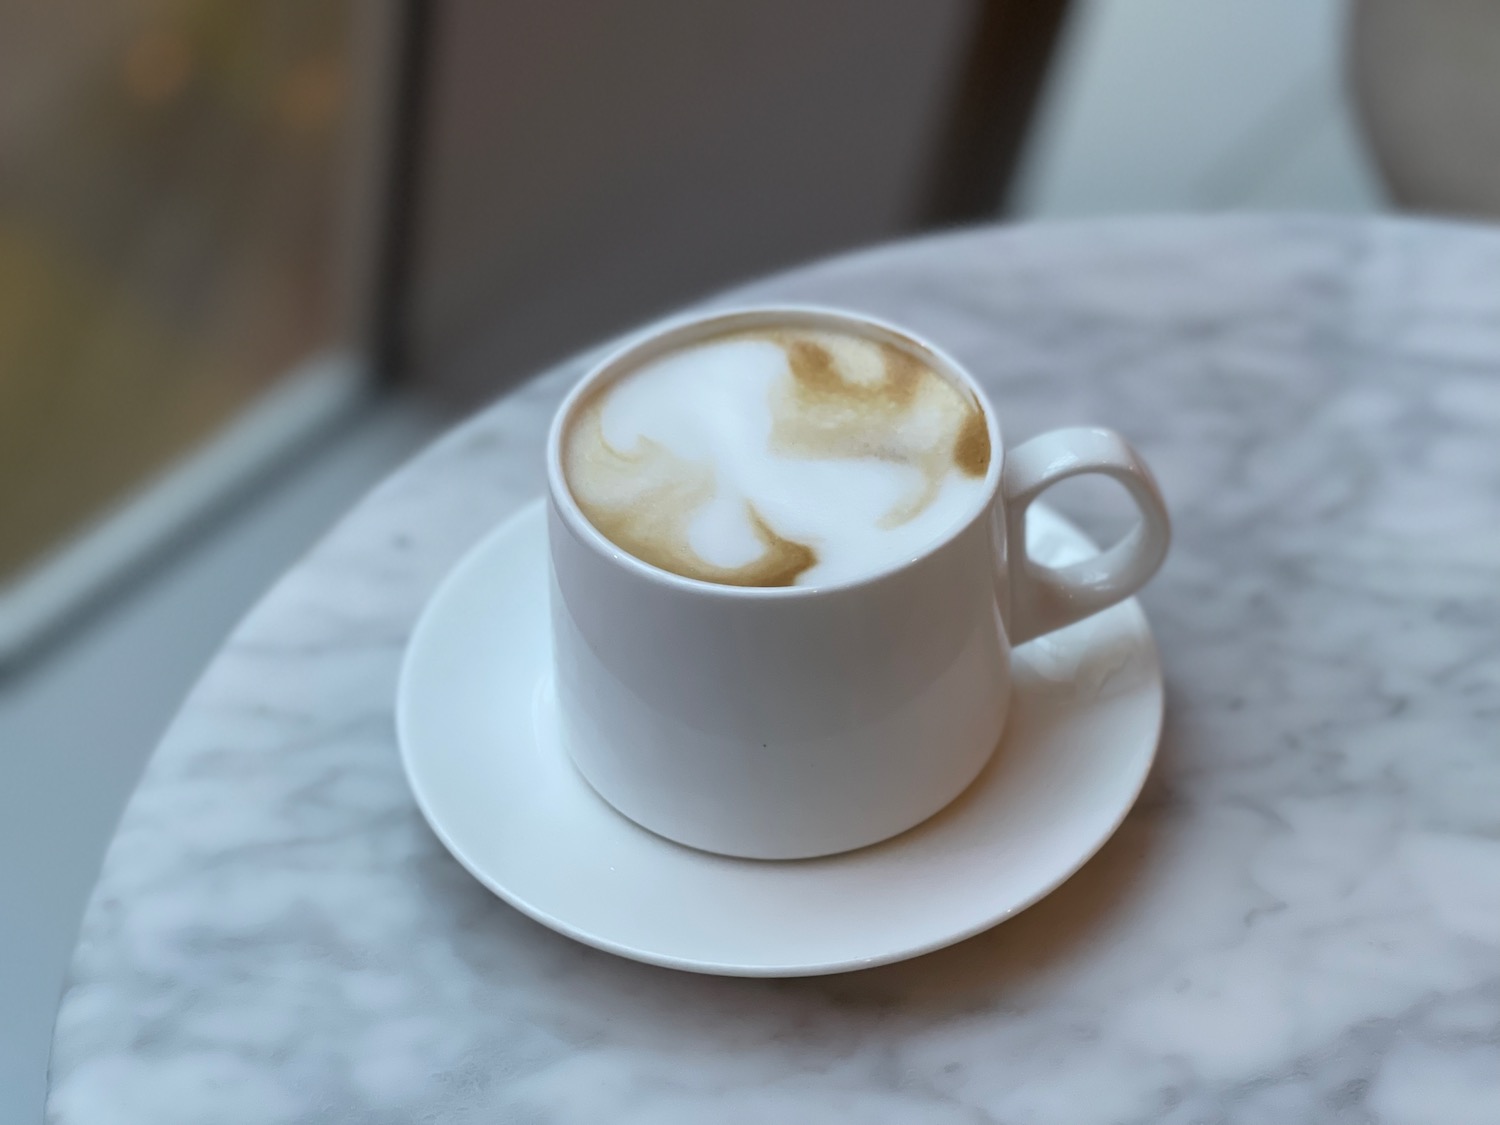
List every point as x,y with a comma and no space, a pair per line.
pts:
774,458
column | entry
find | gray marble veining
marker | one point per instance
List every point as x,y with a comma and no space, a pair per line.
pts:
1300,922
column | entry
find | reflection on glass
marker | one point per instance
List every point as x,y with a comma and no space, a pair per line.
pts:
171,181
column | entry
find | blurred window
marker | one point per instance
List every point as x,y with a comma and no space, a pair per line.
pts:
175,235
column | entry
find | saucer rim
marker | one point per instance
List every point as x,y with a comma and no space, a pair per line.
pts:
534,509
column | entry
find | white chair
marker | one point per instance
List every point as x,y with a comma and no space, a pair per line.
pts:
1426,83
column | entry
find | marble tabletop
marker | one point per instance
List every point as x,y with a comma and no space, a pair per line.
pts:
1300,921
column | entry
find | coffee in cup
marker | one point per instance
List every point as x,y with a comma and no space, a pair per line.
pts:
782,456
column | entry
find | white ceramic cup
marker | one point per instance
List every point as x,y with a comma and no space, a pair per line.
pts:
789,722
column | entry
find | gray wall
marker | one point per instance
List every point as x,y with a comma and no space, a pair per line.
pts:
587,164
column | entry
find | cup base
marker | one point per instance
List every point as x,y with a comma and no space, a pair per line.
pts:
552,732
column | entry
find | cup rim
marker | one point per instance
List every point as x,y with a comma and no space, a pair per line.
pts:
666,334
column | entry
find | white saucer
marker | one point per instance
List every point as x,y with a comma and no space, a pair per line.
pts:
472,718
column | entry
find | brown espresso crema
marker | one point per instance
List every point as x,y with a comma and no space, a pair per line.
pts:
778,457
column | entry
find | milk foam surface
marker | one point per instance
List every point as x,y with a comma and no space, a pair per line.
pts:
778,458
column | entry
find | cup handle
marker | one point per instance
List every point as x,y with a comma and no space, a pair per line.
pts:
1044,598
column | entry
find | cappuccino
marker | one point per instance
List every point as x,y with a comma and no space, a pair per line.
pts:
778,457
